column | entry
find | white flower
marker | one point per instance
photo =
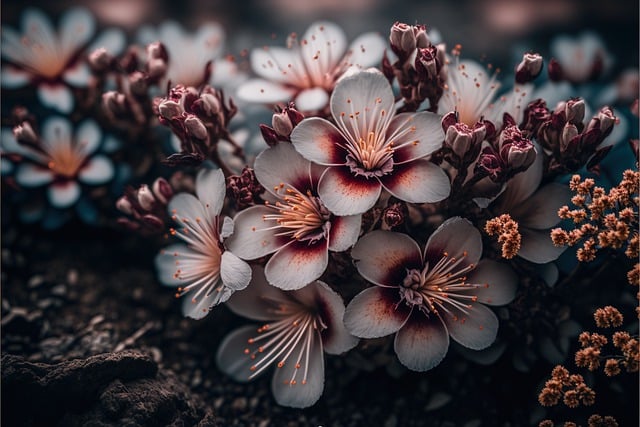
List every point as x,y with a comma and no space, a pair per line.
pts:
201,268
63,160
308,69
372,148
582,58
53,60
473,94
189,54
294,224
426,296
301,326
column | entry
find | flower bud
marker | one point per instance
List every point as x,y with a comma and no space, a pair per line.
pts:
138,83
114,102
195,127
156,68
402,38
574,111
124,205
604,121
394,214
157,50
269,135
170,109
25,134
516,151
209,105
569,132
145,198
100,60
489,164
162,190
529,68
282,123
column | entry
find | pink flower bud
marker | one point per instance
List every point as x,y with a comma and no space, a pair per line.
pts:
162,190
402,38
24,133
100,60
170,109
569,132
574,110
124,205
529,68
195,127
145,198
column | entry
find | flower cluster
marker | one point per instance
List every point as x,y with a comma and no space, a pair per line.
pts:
356,213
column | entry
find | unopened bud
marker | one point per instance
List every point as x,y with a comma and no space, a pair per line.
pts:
282,124
124,205
574,111
209,104
100,60
568,133
25,134
269,135
162,190
604,120
554,69
170,109
195,127
516,151
114,102
402,38
145,198
156,68
529,68
157,50
138,83
395,214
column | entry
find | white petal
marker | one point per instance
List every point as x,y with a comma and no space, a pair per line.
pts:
318,140
37,26
251,238
476,329
455,237
210,39
79,75
199,309
366,50
375,312
344,232
88,135
312,99
211,189
282,164
419,181
360,92
303,392
424,137
111,39
13,77
422,342
56,130
344,194
166,262
227,227
278,65
31,175
335,337
235,273
76,28
63,195
251,302
540,211
297,264
98,170
382,257
322,47
498,282
230,356
263,91
536,246
56,96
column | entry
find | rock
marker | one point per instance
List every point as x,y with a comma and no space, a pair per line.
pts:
112,389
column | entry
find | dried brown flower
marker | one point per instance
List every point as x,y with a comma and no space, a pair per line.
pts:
508,235
608,317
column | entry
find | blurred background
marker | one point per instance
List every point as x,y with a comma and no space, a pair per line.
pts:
497,30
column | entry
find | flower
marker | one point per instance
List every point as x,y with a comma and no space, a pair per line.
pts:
60,159
300,325
202,267
308,70
294,224
425,297
50,59
472,93
580,59
190,55
372,147
535,210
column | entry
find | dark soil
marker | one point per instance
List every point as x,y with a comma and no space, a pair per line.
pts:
89,337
